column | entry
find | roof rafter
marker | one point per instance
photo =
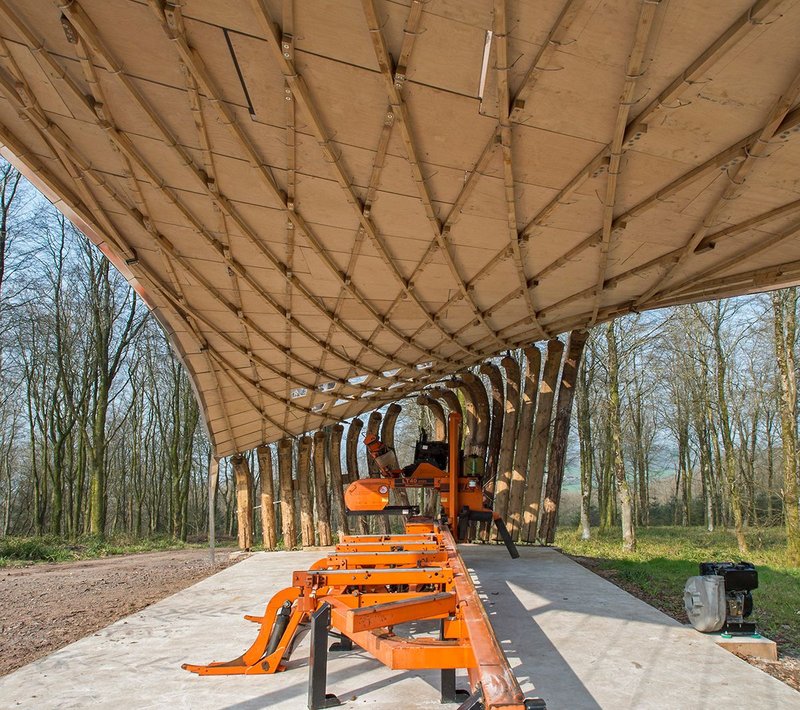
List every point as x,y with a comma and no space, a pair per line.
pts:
198,69
394,93
87,30
302,96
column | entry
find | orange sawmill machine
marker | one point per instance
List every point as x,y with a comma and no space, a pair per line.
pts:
371,584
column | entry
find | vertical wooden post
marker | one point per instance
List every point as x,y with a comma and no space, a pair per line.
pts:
558,447
244,500
396,497
304,488
470,421
481,401
351,450
503,481
321,489
213,481
541,436
351,456
496,432
451,400
373,425
288,516
268,527
533,363
337,484
439,418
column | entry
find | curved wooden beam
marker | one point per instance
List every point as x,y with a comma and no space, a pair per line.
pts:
321,489
533,362
337,481
503,481
541,439
439,418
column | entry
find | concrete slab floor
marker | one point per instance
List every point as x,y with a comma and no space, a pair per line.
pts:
572,637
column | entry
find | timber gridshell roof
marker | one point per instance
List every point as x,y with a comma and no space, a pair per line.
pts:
329,203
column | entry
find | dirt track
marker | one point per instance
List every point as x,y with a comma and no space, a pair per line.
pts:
46,606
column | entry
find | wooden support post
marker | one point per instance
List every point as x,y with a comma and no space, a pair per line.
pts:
470,414
503,481
244,500
213,480
439,418
396,497
481,401
381,522
373,427
268,526
288,515
307,537
496,431
533,363
351,456
321,489
541,436
449,398
338,512
558,447
351,453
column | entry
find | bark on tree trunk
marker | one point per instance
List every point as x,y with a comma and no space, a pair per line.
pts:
244,500
533,364
321,490
288,516
541,437
558,447
615,422
304,488
785,312
269,529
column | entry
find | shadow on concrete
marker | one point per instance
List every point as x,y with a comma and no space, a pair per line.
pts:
540,665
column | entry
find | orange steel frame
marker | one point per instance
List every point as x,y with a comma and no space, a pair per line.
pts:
373,583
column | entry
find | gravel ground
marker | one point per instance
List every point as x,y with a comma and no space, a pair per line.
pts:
47,606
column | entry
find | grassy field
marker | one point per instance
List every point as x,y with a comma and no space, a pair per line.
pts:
24,550
667,556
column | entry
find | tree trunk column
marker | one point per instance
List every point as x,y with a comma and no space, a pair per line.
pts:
339,514
503,482
373,426
288,516
351,456
541,436
558,447
244,500
439,418
533,363
321,489
269,529
304,487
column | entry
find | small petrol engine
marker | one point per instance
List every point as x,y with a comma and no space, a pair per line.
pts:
720,599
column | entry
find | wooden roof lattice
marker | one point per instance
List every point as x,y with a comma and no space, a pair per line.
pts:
329,203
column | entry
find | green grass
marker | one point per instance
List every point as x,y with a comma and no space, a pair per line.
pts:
666,556
21,550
